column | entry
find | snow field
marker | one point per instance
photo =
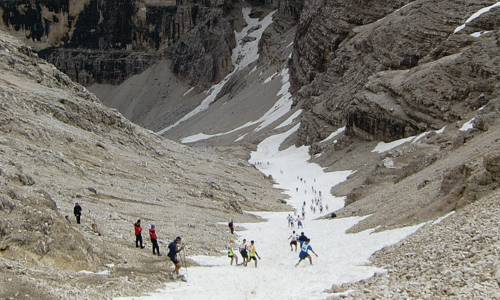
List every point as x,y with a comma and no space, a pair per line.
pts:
342,257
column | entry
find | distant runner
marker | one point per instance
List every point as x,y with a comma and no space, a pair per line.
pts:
299,223
231,226
304,252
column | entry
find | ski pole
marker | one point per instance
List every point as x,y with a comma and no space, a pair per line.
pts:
185,263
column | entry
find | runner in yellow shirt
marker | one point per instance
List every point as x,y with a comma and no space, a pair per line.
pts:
253,255
231,254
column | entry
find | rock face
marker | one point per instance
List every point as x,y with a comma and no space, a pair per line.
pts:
97,41
389,70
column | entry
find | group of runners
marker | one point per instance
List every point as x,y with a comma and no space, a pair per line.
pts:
316,204
301,242
248,252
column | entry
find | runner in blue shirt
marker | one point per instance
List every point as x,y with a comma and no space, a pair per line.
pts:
304,252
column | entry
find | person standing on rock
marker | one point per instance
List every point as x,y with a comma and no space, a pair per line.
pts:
231,226
253,253
154,240
304,252
138,234
77,211
174,248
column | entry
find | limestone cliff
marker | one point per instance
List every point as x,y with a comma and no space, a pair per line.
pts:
97,41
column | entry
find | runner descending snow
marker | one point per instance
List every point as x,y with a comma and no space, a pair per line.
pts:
344,257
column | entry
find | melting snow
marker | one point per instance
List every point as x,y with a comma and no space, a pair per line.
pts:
476,15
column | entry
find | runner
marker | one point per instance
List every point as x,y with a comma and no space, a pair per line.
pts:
244,252
299,223
304,252
173,249
302,238
290,220
293,241
253,253
231,253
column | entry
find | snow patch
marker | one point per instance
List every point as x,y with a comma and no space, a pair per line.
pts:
270,78
468,125
188,91
290,120
478,33
440,219
476,15
282,106
384,147
334,134
239,139
422,135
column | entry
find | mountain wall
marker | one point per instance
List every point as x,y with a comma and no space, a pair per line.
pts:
392,69
97,41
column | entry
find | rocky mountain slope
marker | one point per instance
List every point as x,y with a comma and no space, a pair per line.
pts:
59,145
404,92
